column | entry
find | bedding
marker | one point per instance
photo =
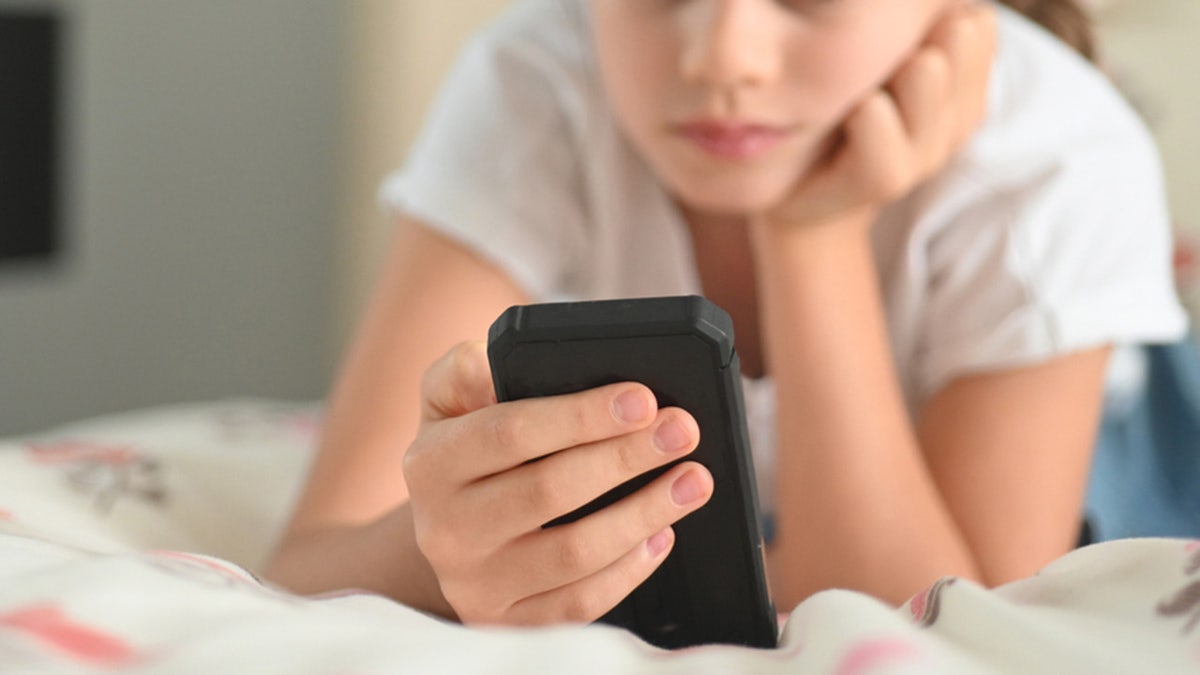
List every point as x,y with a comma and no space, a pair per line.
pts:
129,544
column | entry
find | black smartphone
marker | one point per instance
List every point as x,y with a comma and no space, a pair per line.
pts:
712,587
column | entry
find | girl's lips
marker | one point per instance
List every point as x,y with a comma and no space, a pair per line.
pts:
732,140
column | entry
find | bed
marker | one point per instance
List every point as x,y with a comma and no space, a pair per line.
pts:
130,544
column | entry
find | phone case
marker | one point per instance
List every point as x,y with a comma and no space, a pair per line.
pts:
712,587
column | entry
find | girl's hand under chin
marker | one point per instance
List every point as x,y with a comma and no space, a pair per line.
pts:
479,499
906,131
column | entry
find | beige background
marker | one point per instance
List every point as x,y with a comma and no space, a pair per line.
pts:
1153,49
403,49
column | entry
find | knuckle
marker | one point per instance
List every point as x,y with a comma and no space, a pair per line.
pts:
933,63
436,545
415,458
543,491
574,555
420,465
462,356
507,431
415,476
442,380
582,607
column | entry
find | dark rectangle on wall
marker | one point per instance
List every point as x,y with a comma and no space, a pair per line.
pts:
29,135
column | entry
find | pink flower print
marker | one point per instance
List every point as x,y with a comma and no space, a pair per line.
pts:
876,654
1192,564
72,452
927,605
1185,603
105,471
86,644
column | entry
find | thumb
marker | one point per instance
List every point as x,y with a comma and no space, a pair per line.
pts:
458,383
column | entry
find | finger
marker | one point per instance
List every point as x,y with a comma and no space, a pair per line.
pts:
878,151
978,73
533,494
588,555
921,91
458,383
588,599
967,35
504,436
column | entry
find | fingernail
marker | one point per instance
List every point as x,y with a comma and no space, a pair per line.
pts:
659,542
631,406
671,436
688,488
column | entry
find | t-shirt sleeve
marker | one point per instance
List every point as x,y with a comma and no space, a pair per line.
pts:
495,167
1072,256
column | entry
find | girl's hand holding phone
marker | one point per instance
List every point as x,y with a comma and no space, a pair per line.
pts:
907,130
479,501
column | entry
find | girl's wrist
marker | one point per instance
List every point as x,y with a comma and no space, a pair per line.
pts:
774,233
412,581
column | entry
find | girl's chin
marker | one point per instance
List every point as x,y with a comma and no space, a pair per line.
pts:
730,198
734,189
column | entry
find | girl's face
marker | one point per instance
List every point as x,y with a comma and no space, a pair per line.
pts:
732,101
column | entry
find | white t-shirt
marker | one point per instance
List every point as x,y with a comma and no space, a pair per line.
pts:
1047,234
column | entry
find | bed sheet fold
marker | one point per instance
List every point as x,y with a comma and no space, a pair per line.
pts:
129,544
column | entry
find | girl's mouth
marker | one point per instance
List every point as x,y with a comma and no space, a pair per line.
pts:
731,140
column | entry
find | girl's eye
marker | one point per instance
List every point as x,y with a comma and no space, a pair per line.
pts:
806,4
791,4
797,6
810,5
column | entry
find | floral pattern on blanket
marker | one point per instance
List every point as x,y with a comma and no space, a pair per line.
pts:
926,605
1185,602
105,472
51,626
130,543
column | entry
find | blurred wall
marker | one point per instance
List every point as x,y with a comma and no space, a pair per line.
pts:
402,51
202,186
1152,48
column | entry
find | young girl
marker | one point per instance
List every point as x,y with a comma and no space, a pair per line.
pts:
930,220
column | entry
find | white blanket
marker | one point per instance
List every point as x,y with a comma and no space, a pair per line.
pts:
125,545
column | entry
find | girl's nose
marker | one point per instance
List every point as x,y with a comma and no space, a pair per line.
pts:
730,44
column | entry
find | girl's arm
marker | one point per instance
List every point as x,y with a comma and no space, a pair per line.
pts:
425,489
432,294
989,484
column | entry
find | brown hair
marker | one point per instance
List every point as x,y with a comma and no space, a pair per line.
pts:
1065,18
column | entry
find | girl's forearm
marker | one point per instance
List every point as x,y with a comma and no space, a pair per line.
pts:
856,505
380,557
